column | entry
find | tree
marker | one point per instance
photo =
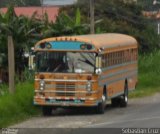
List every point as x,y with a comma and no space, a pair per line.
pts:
6,27
118,17
148,5
23,31
66,25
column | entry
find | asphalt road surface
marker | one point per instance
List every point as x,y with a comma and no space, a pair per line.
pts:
140,113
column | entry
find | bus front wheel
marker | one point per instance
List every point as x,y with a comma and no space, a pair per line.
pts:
100,109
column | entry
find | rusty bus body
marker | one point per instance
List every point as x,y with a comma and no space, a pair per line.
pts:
85,71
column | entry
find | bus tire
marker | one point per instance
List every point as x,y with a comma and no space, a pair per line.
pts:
47,110
100,109
124,97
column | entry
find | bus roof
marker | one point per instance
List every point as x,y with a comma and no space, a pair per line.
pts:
108,40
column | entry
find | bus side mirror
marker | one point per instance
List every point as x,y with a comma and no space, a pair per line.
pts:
98,65
31,62
98,62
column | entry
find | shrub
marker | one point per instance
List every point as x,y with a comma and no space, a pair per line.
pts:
19,106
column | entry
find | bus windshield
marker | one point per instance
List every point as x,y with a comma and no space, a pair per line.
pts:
65,62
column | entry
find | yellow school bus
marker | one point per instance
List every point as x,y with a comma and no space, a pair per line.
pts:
85,71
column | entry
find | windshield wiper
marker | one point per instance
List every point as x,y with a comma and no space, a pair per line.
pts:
87,61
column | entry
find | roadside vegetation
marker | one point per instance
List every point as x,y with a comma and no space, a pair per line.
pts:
149,75
19,106
117,17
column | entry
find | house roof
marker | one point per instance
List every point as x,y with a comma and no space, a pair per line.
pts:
28,11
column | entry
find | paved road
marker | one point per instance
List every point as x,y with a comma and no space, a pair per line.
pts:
141,113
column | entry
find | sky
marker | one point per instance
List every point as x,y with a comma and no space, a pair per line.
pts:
58,2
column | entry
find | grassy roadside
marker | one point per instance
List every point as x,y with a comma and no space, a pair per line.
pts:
17,107
149,75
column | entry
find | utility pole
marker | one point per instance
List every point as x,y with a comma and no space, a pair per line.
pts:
42,9
92,23
11,64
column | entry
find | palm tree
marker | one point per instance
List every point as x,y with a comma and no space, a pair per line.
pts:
28,33
7,21
19,30
66,25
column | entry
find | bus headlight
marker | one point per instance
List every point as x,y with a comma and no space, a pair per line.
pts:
42,85
98,71
89,86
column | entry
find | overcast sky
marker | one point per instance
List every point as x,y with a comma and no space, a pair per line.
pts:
58,2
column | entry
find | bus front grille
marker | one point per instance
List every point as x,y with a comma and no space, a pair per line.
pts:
65,89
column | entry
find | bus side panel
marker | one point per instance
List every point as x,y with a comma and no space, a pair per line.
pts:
114,78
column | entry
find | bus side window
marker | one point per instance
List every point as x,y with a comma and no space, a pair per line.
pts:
118,57
107,62
103,60
132,54
115,58
122,58
136,51
136,54
110,58
125,56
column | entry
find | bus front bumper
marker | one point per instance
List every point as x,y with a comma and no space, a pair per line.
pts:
65,101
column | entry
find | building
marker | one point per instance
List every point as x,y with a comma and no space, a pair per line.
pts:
29,11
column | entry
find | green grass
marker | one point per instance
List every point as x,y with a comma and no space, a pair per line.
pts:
17,107
149,75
